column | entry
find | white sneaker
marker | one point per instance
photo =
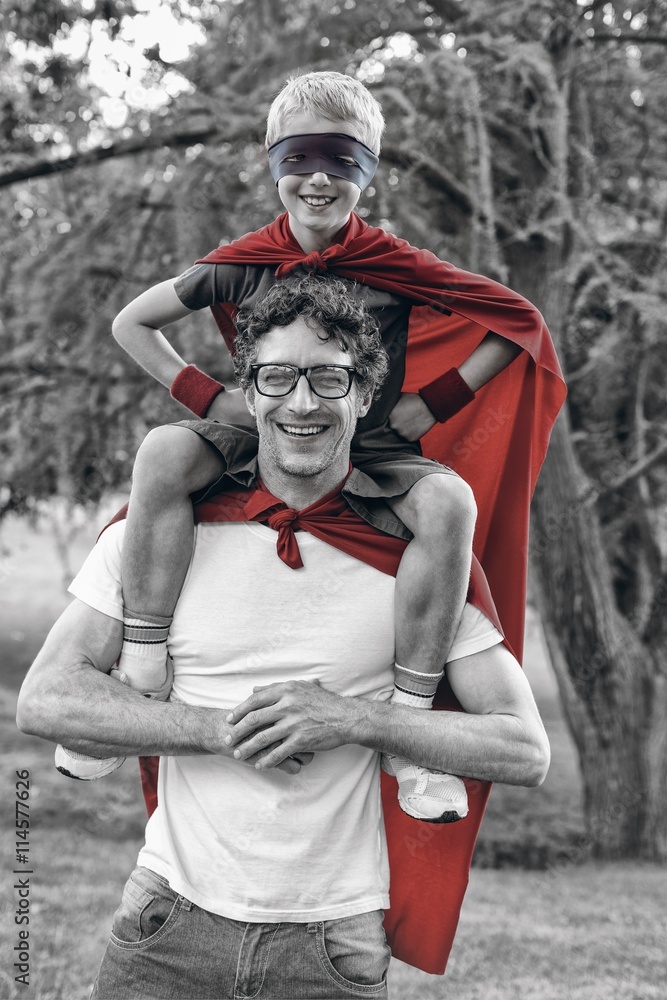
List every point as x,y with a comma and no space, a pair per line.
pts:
80,765
432,796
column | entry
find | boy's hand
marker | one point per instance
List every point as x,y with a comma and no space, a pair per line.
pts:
411,417
230,408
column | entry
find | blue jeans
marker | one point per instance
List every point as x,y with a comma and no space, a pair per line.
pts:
164,947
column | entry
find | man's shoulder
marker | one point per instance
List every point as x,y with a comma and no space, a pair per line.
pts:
227,505
114,530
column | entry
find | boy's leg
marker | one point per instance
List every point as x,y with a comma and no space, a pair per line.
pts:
434,573
171,463
431,587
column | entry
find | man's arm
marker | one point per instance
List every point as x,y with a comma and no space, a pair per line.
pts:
498,737
68,697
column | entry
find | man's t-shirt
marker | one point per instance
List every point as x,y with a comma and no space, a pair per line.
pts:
204,284
268,846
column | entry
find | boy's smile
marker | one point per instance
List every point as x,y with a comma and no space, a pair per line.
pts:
318,201
318,204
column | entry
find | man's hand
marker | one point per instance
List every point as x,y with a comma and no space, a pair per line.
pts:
289,766
298,717
411,417
290,763
229,407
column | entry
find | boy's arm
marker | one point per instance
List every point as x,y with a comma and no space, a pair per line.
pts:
498,737
412,417
68,698
137,330
489,359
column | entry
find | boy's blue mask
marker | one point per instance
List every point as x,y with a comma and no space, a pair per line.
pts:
323,151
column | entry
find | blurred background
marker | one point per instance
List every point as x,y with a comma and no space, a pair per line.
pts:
525,140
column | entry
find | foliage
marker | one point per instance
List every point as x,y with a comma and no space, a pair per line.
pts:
467,170
525,139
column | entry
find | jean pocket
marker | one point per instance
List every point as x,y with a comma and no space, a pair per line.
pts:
354,953
148,910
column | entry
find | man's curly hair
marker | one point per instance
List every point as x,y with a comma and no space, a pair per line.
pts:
331,307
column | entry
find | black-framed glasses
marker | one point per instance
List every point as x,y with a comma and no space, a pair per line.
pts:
326,381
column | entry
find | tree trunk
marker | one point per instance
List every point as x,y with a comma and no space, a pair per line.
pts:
614,697
614,701
608,672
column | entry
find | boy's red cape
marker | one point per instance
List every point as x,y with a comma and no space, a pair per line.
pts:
497,444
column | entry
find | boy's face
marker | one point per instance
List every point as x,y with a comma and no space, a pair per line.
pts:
318,204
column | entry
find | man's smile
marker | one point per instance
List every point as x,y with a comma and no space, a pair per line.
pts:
302,430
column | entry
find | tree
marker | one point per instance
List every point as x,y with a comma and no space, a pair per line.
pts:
524,140
599,555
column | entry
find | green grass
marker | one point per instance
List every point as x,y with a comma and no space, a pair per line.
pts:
595,932
561,930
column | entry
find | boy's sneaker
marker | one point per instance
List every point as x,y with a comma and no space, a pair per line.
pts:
431,796
80,765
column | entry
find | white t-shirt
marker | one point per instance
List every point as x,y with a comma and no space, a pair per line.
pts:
268,846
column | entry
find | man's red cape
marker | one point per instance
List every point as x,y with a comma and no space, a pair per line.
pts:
498,442
429,864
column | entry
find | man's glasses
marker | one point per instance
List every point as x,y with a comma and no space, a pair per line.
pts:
326,381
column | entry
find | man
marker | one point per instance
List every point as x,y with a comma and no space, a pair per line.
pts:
270,881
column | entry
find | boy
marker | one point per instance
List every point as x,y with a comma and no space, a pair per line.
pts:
323,137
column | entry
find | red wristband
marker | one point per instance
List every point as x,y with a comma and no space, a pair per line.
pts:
195,389
446,395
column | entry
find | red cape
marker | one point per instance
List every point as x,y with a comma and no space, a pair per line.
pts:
429,864
498,442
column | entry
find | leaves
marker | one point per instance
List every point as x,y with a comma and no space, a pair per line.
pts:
473,168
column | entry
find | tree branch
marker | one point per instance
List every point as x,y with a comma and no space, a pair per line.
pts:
595,5
129,147
432,171
448,10
635,39
638,469
46,376
655,630
589,366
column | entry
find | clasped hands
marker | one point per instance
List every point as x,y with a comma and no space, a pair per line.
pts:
282,725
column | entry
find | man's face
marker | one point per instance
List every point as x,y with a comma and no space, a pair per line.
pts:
318,203
302,435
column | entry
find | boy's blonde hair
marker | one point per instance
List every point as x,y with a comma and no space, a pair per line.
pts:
334,96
